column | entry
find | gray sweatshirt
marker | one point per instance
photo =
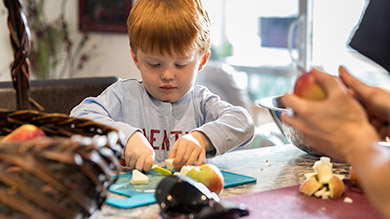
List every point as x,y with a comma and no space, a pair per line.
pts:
127,106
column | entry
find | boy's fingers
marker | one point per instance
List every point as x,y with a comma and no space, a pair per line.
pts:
188,155
148,163
194,156
201,158
132,162
140,163
179,155
173,153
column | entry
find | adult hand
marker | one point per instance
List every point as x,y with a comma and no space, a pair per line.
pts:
139,154
189,149
337,126
375,100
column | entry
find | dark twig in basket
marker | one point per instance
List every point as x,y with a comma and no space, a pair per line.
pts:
21,44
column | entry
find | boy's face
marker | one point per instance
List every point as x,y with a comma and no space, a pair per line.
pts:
168,78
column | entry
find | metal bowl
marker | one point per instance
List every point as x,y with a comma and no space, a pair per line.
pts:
295,137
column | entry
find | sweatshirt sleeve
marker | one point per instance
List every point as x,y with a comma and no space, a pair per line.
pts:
226,126
106,109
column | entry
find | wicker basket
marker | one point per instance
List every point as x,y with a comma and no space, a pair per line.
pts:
57,176
68,173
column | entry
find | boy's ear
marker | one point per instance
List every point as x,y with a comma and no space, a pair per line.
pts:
204,60
134,57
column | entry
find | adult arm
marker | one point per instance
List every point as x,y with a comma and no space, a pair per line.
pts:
339,127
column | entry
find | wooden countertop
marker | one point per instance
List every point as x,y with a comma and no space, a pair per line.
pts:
273,167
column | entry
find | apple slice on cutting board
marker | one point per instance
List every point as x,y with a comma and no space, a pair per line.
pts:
139,178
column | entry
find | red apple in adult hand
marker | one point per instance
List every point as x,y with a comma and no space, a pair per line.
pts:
209,175
23,133
306,87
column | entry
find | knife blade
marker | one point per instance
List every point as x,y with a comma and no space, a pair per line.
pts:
161,170
154,167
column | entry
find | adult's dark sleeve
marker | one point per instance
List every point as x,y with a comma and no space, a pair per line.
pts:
372,38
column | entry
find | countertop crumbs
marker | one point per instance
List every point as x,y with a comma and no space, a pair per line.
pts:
348,200
266,161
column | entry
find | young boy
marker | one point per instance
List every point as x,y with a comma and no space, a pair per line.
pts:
164,116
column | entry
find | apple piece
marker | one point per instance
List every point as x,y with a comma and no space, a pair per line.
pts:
138,178
348,200
308,175
320,192
326,195
340,176
306,87
23,133
353,177
336,187
185,169
323,167
209,175
310,186
169,164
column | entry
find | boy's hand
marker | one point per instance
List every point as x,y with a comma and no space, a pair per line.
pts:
189,149
139,154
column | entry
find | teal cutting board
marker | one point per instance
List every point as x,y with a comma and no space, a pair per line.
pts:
140,195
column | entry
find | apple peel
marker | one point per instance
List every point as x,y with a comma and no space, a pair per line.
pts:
209,175
307,87
24,132
336,187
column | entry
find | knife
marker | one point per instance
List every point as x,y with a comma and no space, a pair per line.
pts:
161,170
154,167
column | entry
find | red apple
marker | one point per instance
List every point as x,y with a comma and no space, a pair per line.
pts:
209,175
23,133
306,87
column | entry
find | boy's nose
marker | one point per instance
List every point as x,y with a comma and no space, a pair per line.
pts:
167,75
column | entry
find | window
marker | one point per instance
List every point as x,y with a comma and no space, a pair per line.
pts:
334,23
252,36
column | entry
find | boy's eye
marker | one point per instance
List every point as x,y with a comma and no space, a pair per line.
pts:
154,65
179,66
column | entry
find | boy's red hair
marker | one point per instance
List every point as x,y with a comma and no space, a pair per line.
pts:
167,26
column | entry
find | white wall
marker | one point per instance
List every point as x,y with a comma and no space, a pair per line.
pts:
112,56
